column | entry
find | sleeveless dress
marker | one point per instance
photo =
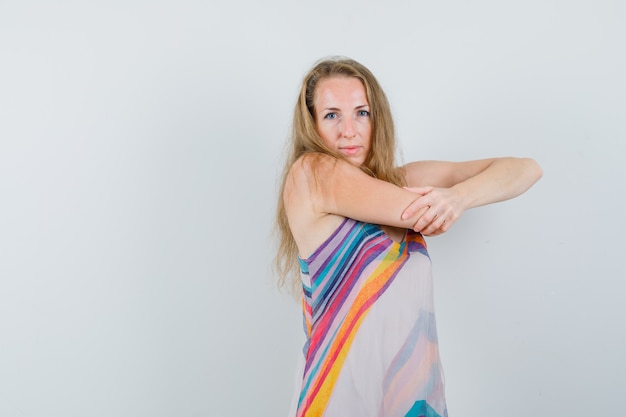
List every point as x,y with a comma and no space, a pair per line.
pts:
371,341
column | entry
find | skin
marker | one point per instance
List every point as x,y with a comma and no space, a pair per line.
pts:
447,189
342,117
321,191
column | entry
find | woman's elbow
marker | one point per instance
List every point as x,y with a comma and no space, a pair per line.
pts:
533,169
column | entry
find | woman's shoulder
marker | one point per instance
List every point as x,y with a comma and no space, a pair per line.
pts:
316,168
312,162
304,195
310,171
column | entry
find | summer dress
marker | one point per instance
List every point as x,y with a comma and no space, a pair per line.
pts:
371,341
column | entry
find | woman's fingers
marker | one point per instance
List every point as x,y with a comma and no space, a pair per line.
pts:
440,224
439,210
418,204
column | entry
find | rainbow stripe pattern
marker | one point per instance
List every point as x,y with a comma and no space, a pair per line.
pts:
371,342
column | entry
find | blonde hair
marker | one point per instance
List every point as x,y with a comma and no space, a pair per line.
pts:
380,162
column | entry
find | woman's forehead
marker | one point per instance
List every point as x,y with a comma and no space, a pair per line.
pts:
340,89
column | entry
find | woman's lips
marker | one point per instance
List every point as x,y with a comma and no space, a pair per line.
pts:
350,150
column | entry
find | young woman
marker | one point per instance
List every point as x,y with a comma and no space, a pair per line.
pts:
351,226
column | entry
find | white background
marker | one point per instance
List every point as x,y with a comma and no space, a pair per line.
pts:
140,146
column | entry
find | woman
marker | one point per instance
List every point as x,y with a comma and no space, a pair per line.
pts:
351,226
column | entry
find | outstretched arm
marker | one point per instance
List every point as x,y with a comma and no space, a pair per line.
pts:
447,189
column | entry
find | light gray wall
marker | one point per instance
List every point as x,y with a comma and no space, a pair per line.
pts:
140,143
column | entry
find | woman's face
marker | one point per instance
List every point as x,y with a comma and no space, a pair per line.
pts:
342,117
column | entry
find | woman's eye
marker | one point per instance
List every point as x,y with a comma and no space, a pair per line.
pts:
331,116
363,113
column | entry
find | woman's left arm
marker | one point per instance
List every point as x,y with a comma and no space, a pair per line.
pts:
447,189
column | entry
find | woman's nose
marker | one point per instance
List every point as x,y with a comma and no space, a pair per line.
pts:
347,128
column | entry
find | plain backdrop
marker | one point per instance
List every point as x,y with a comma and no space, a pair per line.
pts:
140,147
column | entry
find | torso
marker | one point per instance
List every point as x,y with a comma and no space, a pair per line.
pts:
371,344
324,226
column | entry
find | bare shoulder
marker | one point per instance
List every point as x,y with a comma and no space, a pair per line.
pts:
303,180
312,166
309,224
320,180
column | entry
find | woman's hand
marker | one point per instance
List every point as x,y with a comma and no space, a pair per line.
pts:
439,207
463,185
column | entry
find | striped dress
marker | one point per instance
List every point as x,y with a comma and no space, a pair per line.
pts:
371,342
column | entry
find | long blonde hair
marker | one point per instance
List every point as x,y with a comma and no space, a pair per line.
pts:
380,163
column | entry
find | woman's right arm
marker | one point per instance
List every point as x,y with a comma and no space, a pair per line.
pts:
321,190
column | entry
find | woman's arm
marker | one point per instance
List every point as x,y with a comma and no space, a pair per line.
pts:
338,187
449,188
321,190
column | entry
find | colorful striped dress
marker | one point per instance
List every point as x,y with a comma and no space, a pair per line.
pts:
371,342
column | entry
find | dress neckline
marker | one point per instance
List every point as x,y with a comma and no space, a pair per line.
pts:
346,220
